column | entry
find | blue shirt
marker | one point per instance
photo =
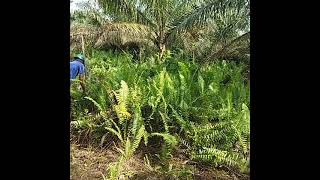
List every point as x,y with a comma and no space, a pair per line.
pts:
76,68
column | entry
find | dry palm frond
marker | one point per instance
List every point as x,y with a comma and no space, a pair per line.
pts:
239,44
121,34
90,34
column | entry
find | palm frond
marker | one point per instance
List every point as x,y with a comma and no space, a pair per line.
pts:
242,40
119,7
206,12
89,33
121,34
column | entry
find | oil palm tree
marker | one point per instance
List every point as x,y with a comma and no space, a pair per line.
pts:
168,18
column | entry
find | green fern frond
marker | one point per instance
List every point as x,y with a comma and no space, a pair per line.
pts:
123,92
245,118
183,69
161,81
138,138
216,156
183,82
210,132
120,151
169,83
186,125
137,122
243,140
94,102
121,106
145,137
122,112
115,132
168,138
201,84
164,120
184,142
128,148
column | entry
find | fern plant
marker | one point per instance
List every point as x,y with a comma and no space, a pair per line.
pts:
167,147
202,107
212,142
122,100
133,132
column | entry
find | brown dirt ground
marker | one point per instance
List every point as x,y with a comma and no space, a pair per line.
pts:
87,163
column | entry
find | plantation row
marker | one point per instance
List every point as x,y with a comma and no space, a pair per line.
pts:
203,110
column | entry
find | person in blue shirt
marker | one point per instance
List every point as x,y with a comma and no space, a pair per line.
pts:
77,68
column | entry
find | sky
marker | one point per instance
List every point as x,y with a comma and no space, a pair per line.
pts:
73,5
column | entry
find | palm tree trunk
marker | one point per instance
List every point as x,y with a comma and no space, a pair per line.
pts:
82,43
162,46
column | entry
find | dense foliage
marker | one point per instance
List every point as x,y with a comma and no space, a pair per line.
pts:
164,78
201,109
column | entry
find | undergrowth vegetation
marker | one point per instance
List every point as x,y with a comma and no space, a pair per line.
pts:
163,107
